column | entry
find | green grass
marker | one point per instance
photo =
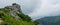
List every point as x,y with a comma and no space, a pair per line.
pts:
10,20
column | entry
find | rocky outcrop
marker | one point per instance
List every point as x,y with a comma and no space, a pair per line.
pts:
14,10
12,15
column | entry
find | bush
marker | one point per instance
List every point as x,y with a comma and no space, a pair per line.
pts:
10,20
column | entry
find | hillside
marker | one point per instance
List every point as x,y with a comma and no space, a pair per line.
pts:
10,15
49,20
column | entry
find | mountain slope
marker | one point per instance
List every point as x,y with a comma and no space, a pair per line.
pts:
9,19
49,20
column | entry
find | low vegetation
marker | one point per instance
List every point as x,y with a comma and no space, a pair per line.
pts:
10,20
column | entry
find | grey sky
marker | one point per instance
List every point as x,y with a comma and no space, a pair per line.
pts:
46,8
36,8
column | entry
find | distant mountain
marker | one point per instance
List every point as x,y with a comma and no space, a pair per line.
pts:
49,20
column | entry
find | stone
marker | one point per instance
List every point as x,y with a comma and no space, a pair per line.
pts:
14,10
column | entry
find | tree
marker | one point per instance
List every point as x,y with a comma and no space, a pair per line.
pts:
36,23
24,17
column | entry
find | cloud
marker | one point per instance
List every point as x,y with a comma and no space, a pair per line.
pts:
46,8
36,8
26,5
4,3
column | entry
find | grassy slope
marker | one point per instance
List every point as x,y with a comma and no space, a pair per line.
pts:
9,20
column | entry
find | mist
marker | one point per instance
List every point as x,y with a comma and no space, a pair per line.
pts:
36,8
46,8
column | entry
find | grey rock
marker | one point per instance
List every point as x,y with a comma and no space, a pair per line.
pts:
14,10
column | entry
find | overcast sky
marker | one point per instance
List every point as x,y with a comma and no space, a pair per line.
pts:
36,8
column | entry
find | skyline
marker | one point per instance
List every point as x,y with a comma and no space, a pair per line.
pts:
36,8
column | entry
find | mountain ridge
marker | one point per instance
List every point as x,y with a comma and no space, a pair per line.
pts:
12,15
49,20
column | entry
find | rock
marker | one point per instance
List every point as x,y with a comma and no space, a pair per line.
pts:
1,20
14,10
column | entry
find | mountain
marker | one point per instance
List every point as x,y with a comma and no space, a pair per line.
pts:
49,20
12,15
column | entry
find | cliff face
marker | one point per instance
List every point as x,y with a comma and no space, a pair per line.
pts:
12,15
